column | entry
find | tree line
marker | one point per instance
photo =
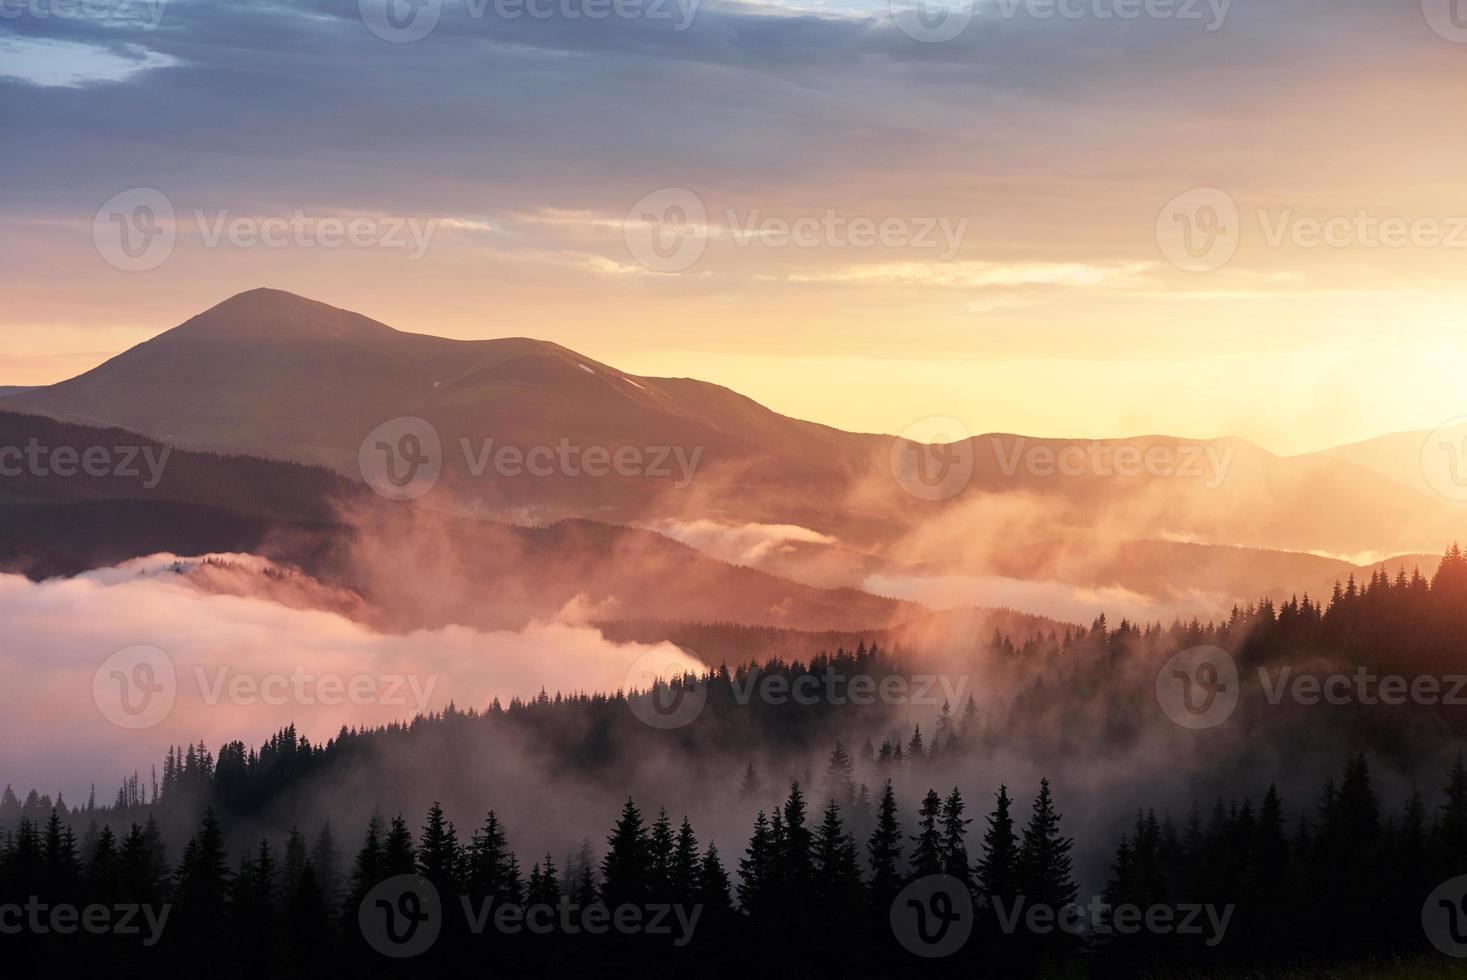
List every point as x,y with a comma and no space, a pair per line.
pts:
813,888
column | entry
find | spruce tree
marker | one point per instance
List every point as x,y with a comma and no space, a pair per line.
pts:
685,864
954,838
438,852
837,868
927,855
885,852
368,868
660,845
626,870
399,857
1044,855
998,868
488,863
756,869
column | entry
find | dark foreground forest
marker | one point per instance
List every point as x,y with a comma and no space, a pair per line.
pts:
871,861
1236,887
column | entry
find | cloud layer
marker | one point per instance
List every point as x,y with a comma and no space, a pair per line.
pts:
244,666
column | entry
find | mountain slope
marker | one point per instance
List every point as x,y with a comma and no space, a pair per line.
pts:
417,568
275,375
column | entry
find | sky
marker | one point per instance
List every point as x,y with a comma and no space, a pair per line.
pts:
1072,218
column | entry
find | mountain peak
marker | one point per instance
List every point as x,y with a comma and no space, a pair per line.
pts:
275,314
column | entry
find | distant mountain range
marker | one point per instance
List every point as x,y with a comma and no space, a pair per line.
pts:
276,376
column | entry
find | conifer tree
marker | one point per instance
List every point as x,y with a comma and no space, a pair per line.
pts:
660,845
998,868
837,867
438,852
1044,855
368,868
927,855
685,864
326,859
756,869
398,854
885,852
954,838
713,885
626,870
488,863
